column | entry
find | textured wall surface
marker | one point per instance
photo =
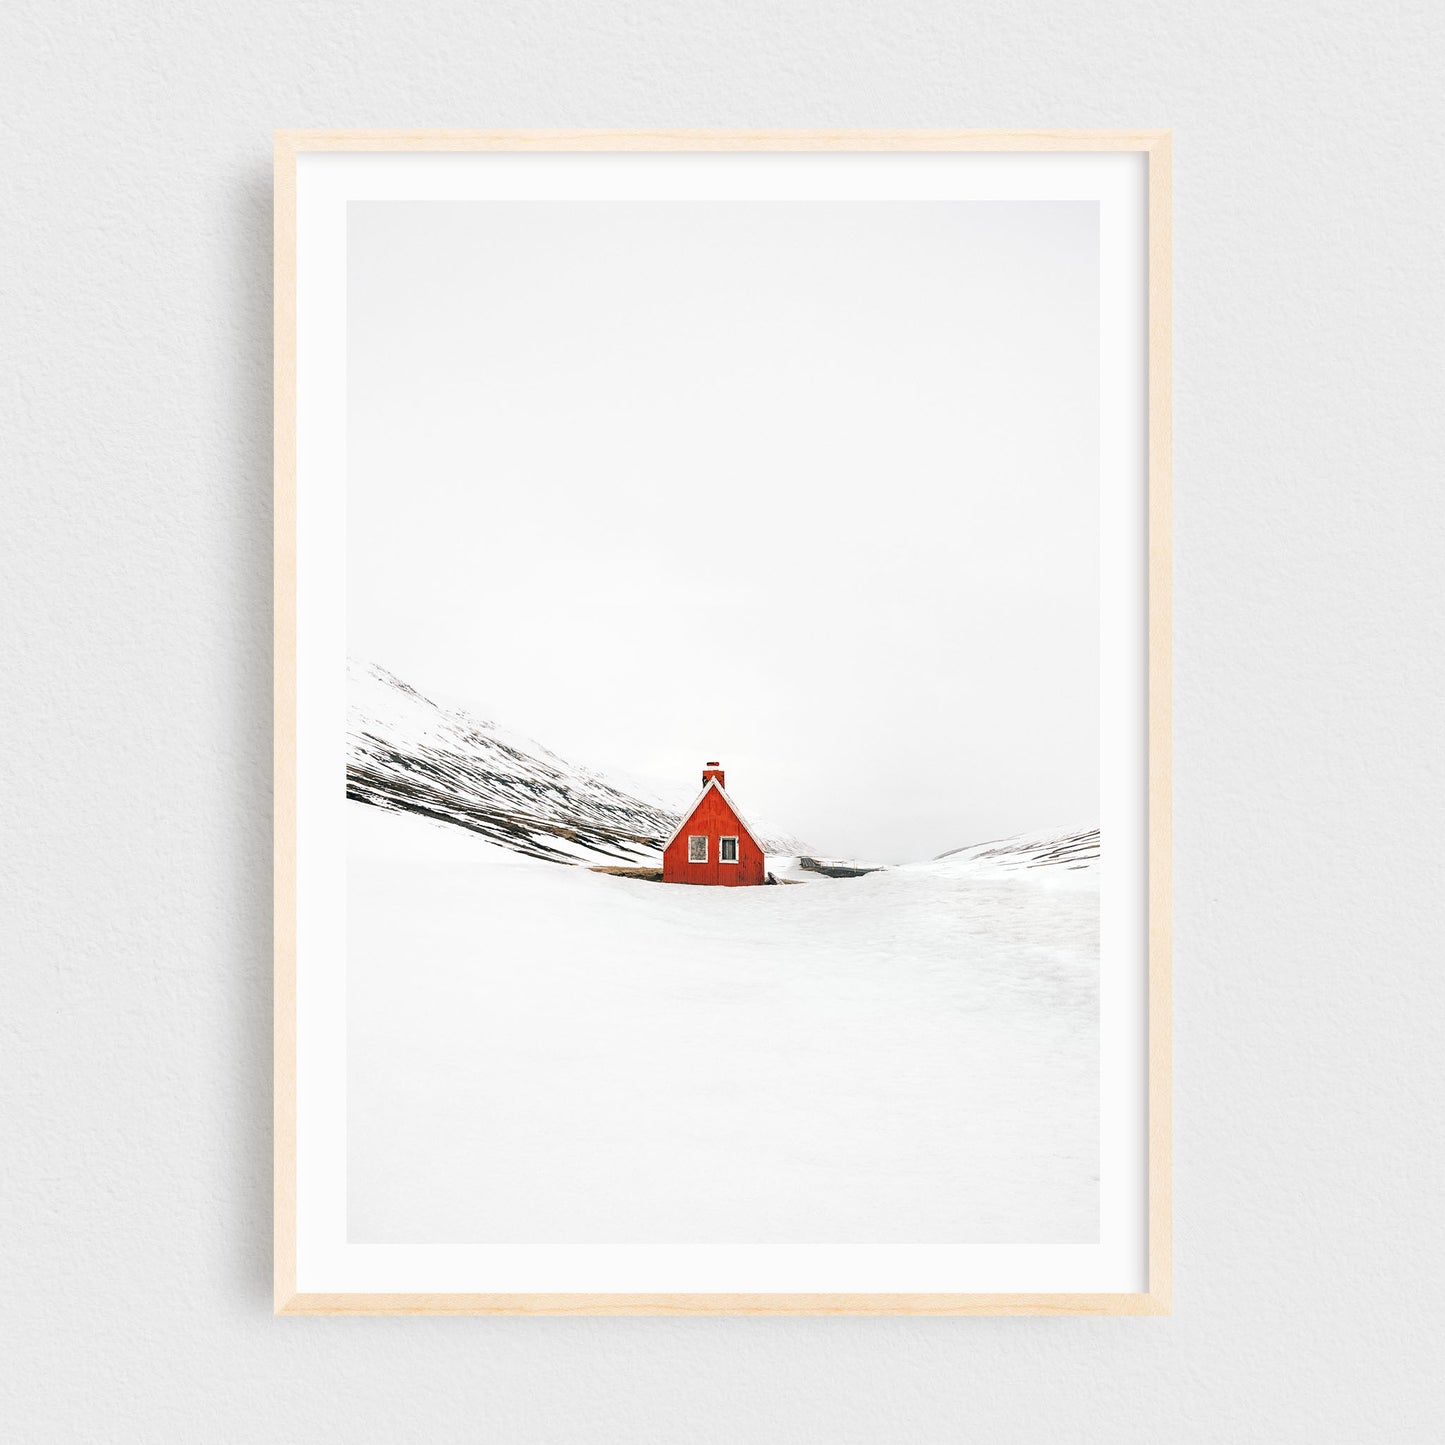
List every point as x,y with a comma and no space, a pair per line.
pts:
135,657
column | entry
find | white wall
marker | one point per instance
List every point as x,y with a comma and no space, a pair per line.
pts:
135,462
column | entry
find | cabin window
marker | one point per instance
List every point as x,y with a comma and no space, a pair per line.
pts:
727,850
697,848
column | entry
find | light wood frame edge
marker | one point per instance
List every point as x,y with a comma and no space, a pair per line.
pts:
1157,1299
722,1304
283,762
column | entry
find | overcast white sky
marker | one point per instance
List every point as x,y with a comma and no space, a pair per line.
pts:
812,488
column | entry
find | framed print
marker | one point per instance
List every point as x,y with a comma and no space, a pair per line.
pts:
722,722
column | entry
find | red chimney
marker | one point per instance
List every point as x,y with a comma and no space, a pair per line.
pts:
713,770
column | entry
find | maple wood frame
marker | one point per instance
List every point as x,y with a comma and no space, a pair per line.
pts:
1154,144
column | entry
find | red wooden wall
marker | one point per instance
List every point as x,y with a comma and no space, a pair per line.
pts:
716,819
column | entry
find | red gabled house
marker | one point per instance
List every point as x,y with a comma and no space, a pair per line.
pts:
713,844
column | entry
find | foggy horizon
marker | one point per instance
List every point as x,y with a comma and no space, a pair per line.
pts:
808,487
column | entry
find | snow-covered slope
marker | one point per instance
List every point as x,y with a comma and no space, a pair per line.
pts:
408,754
1075,850
551,1055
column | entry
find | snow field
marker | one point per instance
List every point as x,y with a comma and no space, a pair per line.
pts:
542,1053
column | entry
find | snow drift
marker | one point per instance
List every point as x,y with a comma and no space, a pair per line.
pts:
541,1054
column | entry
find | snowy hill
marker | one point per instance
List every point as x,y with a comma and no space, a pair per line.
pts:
902,1057
405,753
1075,850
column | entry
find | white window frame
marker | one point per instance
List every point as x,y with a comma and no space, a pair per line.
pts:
696,838
722,852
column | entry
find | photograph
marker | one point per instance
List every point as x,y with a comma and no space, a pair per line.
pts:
722,834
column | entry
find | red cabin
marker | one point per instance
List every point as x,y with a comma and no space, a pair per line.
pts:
712,844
